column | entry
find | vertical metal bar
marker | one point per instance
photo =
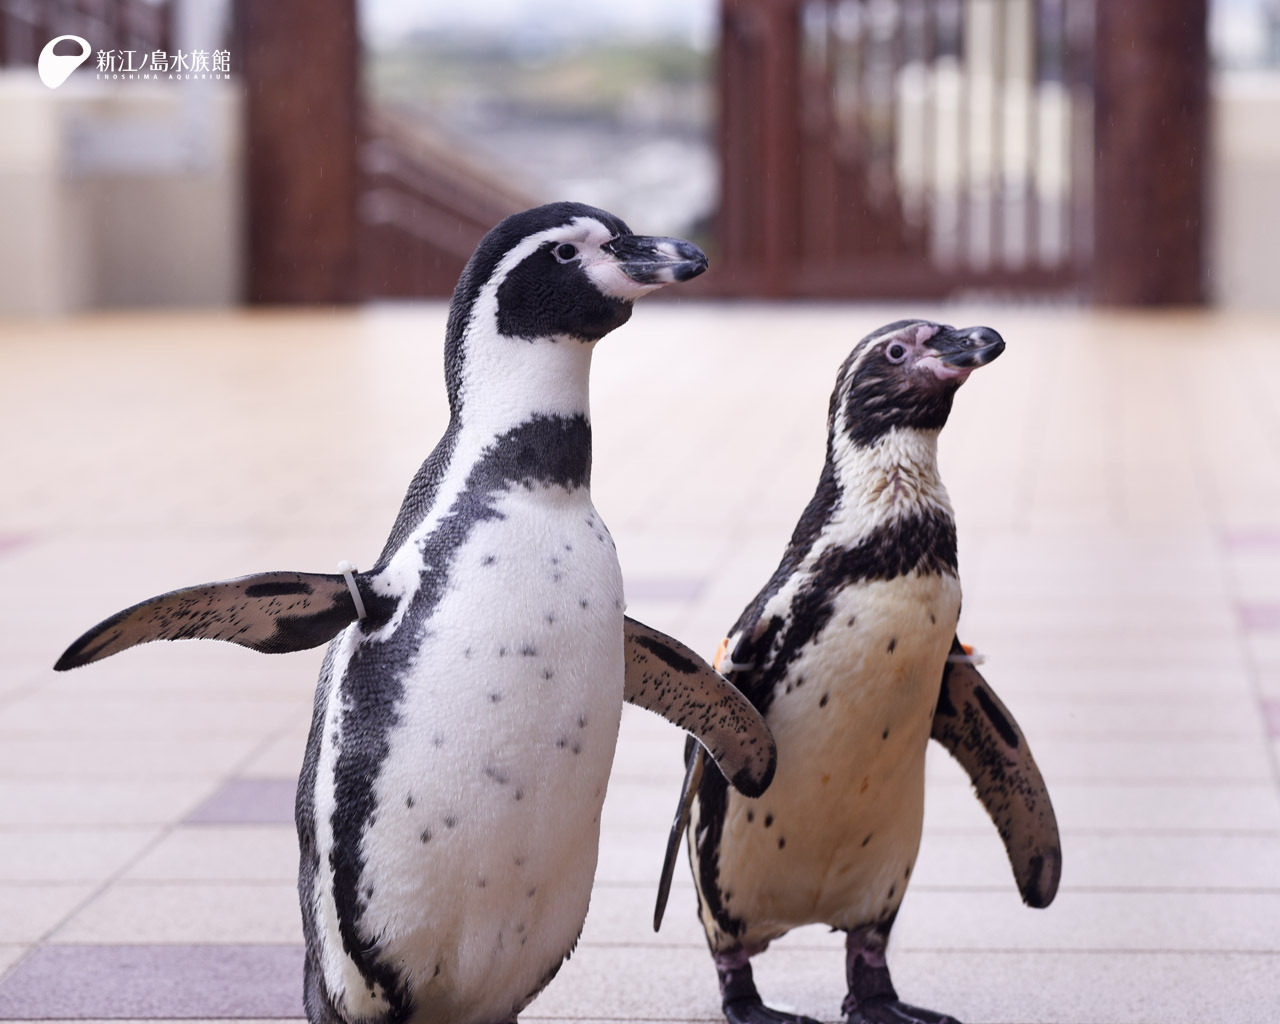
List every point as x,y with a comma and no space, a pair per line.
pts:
929,123
999,154
1031,197
963,180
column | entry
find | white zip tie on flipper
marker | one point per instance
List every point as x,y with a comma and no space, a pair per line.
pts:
348,572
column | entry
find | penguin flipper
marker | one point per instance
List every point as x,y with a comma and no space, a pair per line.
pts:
272,612
665,676
978,730
695,759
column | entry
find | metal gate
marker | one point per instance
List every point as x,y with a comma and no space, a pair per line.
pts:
905,147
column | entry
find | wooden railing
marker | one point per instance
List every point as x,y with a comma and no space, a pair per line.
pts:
904,147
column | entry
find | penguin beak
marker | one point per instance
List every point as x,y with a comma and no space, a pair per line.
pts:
652,262
957,351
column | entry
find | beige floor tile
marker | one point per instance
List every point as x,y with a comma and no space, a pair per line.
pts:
10,955
69,854
64,757
210,853
43,714
28,912
188,913
280,757
33,803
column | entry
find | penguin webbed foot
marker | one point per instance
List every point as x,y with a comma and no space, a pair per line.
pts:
753,1011
872,998
894,1011
740,1001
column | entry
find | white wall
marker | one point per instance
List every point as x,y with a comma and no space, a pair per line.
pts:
118,193
1245,190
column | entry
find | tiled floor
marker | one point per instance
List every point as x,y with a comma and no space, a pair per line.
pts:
1117,484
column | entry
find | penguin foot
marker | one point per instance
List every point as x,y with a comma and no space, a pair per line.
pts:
753,1011
738,996
871,998
893,1011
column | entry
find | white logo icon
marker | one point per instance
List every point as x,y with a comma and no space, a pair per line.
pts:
55,69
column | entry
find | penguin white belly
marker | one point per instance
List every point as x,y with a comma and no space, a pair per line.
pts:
835,837
480,858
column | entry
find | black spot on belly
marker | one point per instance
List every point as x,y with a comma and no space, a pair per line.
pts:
823,702
868,839
852,620
582,721
529,651
426,835
484,882
751,816
547,673
519,794
489,560
892,889
437,741
582,602
885,734
408,801
768,820
933,619
530,893
494,698
562,742
368,893
908,872
502,652
551,619
450,821
782,841
892,644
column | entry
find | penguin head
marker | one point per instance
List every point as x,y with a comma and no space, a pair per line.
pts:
905,376
564,274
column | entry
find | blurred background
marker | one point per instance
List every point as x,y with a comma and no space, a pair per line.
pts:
225,246
1121,153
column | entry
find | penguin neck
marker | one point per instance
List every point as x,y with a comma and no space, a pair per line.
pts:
894,476
506,382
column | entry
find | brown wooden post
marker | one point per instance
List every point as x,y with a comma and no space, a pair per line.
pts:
299,60
760,142
1151,137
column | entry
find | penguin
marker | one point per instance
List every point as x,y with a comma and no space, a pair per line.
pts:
468,706
850,653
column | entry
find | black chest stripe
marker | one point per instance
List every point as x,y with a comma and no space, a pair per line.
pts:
924,542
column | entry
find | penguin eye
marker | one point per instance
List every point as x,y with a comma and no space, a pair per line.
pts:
565,252
895,353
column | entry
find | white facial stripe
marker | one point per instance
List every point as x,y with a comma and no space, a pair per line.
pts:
612,280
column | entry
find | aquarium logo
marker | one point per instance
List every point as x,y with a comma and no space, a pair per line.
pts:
54,69
136,65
